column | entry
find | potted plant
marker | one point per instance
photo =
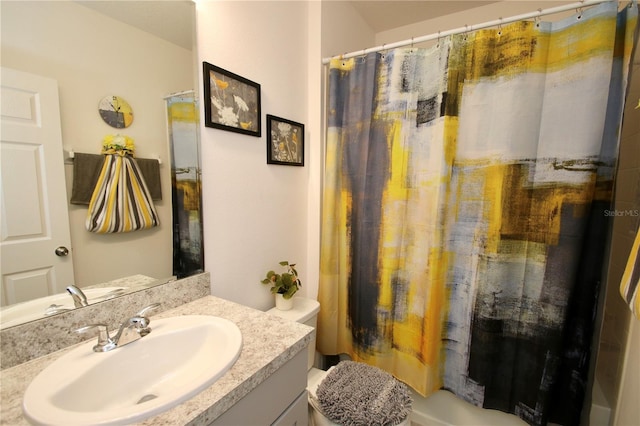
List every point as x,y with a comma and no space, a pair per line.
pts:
284,285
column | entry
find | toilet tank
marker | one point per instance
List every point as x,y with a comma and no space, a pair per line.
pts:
304,311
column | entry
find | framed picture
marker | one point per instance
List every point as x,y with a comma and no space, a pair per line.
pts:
285,141
231,102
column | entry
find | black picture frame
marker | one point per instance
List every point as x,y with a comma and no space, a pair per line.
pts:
232,102
285,141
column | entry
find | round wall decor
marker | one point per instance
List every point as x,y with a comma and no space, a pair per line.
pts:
115,111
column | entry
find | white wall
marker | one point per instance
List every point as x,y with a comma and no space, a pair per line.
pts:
629,391
471,16
92,56
315,93
255,214
618,369
343,29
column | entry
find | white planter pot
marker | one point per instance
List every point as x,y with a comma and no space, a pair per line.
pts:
283,304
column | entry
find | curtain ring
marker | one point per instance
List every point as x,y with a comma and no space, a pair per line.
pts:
384,51
438,43
500,26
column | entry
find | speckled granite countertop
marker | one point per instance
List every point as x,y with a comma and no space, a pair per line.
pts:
132,281
268,343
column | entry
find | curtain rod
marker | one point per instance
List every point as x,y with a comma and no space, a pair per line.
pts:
184,92
467,28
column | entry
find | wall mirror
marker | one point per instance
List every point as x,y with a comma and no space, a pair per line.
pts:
142,51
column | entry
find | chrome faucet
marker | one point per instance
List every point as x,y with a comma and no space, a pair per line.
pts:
130,330
55,309
79,298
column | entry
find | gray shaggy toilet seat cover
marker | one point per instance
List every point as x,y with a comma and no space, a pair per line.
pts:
354,393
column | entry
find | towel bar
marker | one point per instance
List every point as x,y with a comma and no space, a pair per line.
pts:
72,155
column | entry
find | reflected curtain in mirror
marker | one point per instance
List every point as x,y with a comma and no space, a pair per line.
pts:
182,119
463,213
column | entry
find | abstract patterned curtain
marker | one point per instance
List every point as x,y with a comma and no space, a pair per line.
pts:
463,219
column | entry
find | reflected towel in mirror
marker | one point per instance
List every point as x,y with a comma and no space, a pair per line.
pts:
86,170
121,201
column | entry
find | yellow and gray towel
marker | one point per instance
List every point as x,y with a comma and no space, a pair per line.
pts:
631,278
86,171
121,201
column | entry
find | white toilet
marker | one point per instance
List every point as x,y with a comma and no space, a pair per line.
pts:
440,409
306,311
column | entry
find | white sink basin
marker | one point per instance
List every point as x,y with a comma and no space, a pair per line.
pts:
180,357
35,309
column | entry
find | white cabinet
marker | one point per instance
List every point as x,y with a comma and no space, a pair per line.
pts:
297,414
280,400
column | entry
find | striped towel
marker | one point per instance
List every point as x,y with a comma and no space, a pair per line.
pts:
631,278
121,201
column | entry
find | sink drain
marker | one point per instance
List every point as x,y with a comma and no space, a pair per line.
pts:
147,398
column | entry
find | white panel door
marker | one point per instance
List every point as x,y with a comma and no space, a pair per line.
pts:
34,215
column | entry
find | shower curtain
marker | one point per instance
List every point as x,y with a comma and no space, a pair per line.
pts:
463,214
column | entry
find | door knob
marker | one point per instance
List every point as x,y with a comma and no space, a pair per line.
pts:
62,251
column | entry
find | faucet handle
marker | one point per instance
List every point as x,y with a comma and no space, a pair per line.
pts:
146,309
140,322
105,343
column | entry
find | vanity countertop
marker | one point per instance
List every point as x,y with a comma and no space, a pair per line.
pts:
267,344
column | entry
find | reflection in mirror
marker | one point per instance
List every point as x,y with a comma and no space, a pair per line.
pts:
44,307
139,50
182,119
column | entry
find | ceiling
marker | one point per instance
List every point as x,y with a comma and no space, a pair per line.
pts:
171,20
386,15
166,18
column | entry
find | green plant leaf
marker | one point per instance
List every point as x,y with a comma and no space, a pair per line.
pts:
290,292
287,283
287,279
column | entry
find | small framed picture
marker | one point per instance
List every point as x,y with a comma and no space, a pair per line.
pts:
231,102
285,141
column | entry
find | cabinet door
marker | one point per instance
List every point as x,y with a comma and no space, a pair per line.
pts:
297,414
265,404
